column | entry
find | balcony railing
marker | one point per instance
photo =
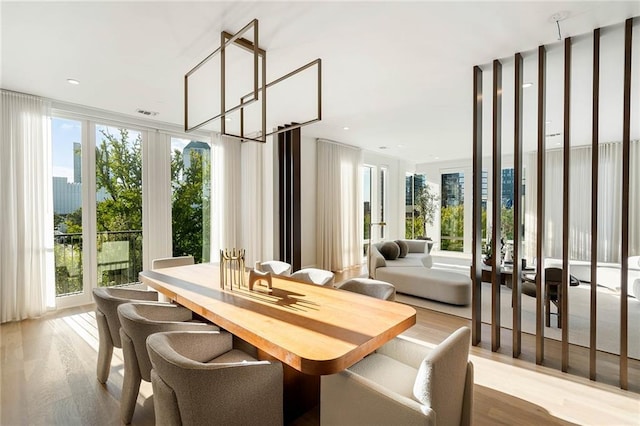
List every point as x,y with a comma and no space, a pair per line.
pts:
119,260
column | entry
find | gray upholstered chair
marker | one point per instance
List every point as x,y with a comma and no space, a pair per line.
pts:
138,321
374,288
169,262
276,267
107,301
405,382
314,276
199,378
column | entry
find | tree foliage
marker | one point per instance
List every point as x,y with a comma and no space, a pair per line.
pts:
119,173
191,205
119,176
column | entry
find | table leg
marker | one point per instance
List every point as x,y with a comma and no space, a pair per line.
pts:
301,391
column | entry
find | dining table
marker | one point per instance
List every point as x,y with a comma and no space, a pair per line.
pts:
313,330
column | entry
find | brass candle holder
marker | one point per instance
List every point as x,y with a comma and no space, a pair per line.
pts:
232,268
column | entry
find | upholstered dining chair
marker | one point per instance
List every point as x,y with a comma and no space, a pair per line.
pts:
276,267
314,276
553,291
107,301
199,378
405,382
169,262
139,321
370,287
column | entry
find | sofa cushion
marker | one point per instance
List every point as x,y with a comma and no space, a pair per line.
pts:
417,246
404,248
390,250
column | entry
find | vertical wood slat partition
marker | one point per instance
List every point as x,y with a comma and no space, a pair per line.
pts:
566,174
476,264
594,203
540,196
497,201
540,209
624,271
516,278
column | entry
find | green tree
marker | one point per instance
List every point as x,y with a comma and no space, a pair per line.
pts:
452,225
426,206
191,205
119,172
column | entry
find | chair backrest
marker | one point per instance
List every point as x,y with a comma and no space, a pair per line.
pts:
374,288
198,378
553,275
276,267
107,301
140,320
440,383
169,262
314,276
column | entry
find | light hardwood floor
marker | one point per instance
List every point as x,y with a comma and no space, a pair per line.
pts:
48,371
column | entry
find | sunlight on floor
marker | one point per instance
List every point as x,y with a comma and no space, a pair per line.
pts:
85,326
557,392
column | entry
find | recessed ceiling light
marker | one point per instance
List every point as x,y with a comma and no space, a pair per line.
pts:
437,158
227,119
525,85
345,128
400,146
547,122
73,81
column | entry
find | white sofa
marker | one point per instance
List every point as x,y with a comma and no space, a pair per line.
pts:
413,275
608,274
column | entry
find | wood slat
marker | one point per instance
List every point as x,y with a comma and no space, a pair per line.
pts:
595,124
566,174
476,304
540,197
624,271
516,278
497,201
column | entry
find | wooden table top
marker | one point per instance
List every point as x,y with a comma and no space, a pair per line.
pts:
314,329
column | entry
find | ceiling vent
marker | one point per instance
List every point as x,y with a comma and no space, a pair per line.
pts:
147,113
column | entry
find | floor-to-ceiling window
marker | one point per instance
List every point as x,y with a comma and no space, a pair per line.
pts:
190,198
66,138
452,212
382,187
367,173
118,204
100,195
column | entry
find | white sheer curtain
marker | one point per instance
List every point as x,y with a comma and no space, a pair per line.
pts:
237,187
339,216
609,202
27,286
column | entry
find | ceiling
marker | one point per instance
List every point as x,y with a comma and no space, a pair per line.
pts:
397,74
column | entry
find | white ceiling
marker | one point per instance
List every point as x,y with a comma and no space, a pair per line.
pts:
398,74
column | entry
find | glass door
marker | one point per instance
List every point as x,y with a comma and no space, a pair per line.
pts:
118,174
66,139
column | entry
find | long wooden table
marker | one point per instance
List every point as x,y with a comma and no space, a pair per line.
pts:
316,330
312,330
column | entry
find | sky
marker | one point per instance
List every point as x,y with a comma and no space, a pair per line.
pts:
64,132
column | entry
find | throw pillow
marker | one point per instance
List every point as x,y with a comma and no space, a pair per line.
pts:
404,248
389,250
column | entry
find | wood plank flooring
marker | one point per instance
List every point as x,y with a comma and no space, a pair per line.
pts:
48,372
